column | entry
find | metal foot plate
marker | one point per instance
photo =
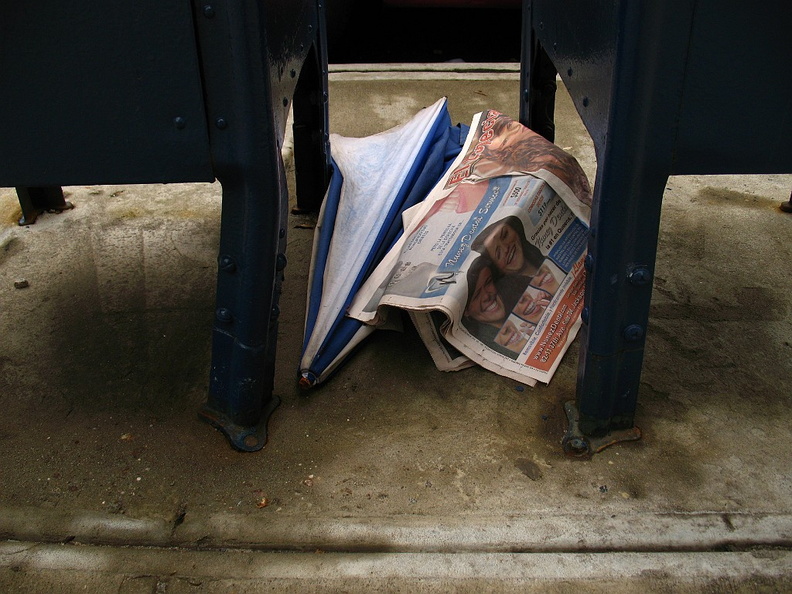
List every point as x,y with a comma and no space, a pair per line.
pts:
577,445
244,439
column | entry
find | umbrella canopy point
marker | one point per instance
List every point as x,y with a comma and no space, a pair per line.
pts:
307,380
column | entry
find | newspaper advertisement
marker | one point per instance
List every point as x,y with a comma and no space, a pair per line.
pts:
491,265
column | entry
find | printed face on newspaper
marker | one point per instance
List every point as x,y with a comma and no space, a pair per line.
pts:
497,248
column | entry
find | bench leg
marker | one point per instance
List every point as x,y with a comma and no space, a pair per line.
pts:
537,83
36,200
247,92
620,263
311,134
787,206
251,262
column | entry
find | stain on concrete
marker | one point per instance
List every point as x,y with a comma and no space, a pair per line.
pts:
529,468
743,304
722,196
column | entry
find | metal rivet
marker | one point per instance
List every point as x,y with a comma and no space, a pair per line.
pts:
633,333
209,11
221,123
310,28
179,122
280,262
227,264
282,233
640,276
584,315
223,314
588,263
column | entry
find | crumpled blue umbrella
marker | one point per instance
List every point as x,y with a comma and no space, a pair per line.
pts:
375,179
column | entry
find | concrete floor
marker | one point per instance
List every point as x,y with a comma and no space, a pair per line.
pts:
393,476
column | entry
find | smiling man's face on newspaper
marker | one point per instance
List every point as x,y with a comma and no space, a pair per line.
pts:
485,304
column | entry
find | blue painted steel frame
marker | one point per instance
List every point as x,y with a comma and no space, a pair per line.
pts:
203,91
250,75
662,88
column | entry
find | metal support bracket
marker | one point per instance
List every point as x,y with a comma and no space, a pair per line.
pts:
242,438
578,445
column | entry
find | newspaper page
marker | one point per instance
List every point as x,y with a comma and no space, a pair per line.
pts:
490,265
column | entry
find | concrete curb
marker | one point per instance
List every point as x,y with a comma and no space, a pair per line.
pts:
35,524
28,564
656,532
537,533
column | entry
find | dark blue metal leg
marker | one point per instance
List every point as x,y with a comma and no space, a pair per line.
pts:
622,251
630,111
537,83
634,162
34,201
311,133
787,206
246,317
247,101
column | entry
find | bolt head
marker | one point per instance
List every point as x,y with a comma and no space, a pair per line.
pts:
223,314
227,264
633,333
640,276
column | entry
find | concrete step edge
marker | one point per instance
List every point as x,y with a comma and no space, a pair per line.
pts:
532,532
27,564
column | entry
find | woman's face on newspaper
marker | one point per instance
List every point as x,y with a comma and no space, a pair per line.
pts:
532,305
485,304
504,248
511,133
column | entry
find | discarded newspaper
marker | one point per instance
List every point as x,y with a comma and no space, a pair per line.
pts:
490,265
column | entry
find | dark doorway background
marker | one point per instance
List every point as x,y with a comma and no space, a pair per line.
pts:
369,32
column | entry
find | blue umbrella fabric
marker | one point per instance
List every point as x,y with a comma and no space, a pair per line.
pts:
374,180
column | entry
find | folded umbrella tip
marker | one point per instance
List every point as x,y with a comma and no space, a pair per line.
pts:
307,380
